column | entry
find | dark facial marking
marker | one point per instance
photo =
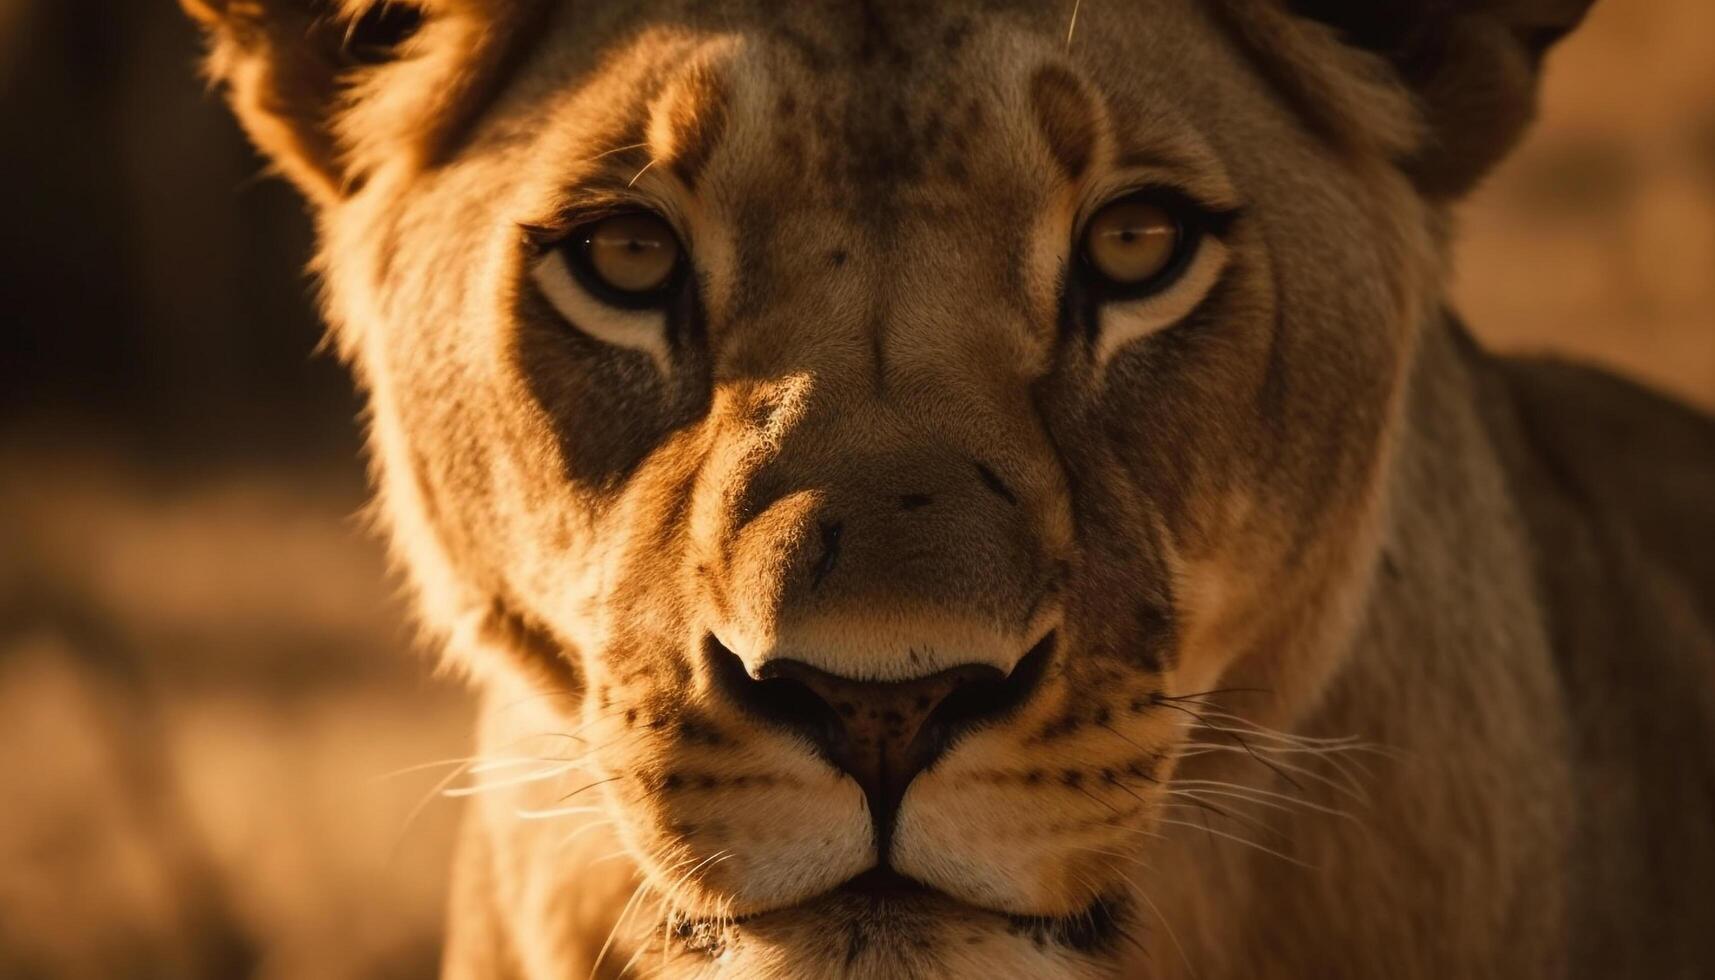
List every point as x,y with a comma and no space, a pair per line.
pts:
996,485
532,645
955,34
831,532
1087,932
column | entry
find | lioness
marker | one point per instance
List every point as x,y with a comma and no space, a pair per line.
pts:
994,489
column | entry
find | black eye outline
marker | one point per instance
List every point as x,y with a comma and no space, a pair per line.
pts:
1193,221
573,248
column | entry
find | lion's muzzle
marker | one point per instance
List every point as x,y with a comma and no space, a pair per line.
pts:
882,734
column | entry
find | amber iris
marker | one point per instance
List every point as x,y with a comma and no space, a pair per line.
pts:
1132,242
632,253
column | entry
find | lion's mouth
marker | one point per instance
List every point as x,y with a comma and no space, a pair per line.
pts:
883,900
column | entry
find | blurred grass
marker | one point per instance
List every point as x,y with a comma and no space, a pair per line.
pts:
1597,238
202,691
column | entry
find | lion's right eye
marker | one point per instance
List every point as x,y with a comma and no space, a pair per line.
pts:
629,261
614,278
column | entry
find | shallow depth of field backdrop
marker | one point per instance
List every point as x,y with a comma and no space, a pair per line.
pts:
208,687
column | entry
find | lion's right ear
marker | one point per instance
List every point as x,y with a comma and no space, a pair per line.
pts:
329,89
282,63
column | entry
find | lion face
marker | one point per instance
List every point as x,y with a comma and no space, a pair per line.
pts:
878,428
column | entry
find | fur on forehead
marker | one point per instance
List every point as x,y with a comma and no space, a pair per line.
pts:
1349,97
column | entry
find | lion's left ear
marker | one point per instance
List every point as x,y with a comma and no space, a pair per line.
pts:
330,88
1473,67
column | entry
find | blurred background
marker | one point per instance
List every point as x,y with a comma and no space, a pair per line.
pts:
210,703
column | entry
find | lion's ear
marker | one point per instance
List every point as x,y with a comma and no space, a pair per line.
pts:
284,65
1472,65
331,88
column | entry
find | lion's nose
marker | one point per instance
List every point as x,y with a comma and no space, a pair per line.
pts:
882,733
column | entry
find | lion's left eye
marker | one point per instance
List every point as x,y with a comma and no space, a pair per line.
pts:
1133,242
1147,261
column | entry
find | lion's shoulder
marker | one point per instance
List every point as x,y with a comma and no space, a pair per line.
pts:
1632,462
1613,484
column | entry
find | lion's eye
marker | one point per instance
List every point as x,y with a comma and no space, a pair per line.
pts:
613,278
1148,261
1134,242
632,254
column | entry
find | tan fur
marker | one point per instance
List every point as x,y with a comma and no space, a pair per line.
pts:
1371,654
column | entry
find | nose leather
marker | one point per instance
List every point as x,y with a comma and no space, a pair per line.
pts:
882,739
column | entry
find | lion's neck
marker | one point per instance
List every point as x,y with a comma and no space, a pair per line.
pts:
1459,808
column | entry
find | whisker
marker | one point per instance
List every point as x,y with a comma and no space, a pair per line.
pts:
641,949
630,904
422,804
1203,806
1124,738
562,811
495,765
1238,840
1196,797
1196,696
1331,740
1198,719
584,829
1225,788
476,789
617,149
1110,806
1126,933
1171,935
1348,788
438,763
1337,754
519,702
1280,742
589,786
1113,853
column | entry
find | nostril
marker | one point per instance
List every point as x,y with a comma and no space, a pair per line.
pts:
784,701
990,699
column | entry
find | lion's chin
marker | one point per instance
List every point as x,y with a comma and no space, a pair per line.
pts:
881,923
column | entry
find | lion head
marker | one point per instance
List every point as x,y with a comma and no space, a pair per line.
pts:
869,433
